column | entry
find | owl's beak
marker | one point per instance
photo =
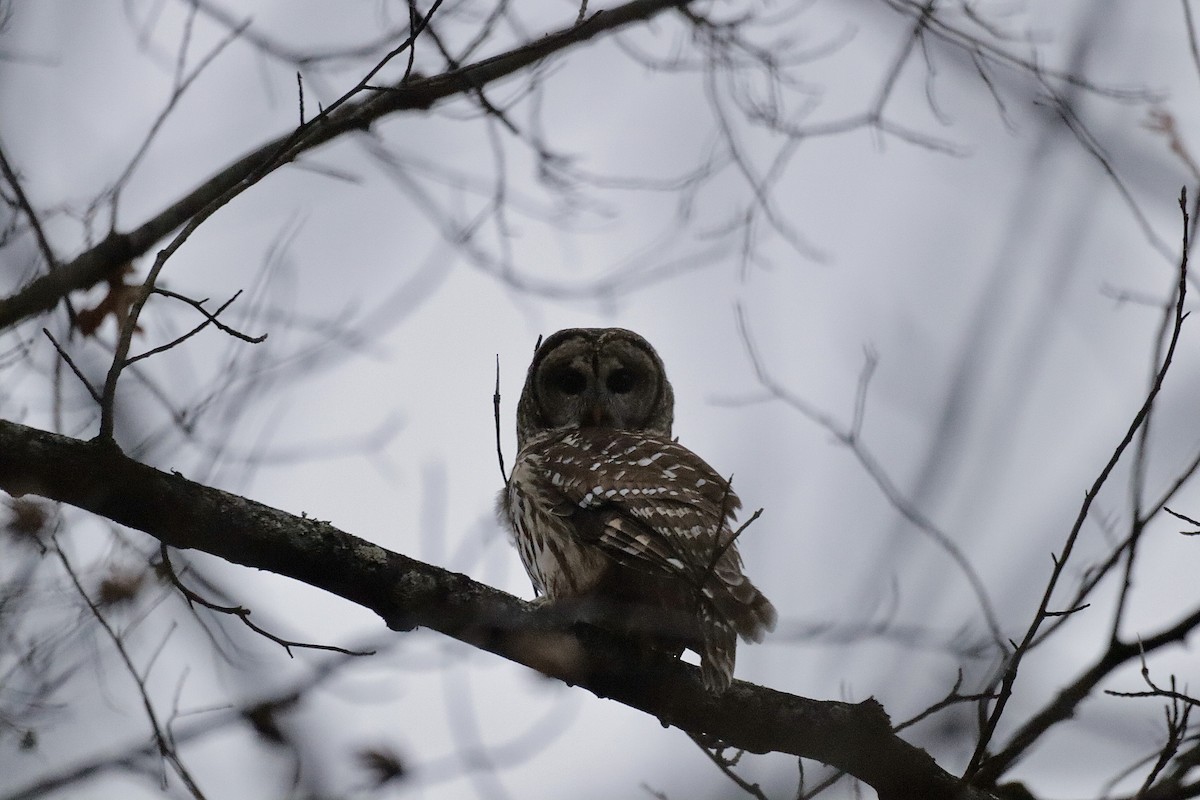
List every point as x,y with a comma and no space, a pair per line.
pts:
596,416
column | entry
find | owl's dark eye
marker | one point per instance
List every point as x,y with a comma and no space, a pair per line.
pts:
568,380
620,381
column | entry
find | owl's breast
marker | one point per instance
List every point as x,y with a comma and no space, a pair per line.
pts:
558,562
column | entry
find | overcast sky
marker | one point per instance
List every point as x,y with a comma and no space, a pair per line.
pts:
981,244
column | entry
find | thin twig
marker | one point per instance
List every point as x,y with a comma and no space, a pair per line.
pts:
1185,518
1191,29
181,85
1177,713
131,757
160,737
723,512
1137,490
300,91
210,319
1155,689
952,698
71,363
496,414
726,766
10,175
870,361
721,547
243,613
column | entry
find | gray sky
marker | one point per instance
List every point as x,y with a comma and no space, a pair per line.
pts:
979,269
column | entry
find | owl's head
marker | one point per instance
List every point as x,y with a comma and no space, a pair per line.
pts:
595,378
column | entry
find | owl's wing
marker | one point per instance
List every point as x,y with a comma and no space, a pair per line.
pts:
649,502
656,507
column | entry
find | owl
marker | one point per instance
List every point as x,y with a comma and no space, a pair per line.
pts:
614,519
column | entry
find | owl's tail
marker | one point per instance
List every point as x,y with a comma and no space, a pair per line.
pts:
735,607
719,650
756,615
734,597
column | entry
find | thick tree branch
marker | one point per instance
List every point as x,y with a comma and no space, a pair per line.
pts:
101,261
406,593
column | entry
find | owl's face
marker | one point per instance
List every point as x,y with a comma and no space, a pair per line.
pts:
595,378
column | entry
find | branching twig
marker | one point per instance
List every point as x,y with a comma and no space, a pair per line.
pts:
132,756
1069,697
1177,714
982,769
726,766
850,438
243,613
952,698
254,171
1155,689
165,748
210,319
182,83
339,118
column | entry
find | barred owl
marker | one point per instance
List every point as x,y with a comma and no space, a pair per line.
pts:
613,517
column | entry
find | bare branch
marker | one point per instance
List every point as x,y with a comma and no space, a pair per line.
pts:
848,436
407,593
210,319
96,263
952,698
717,756
984,769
